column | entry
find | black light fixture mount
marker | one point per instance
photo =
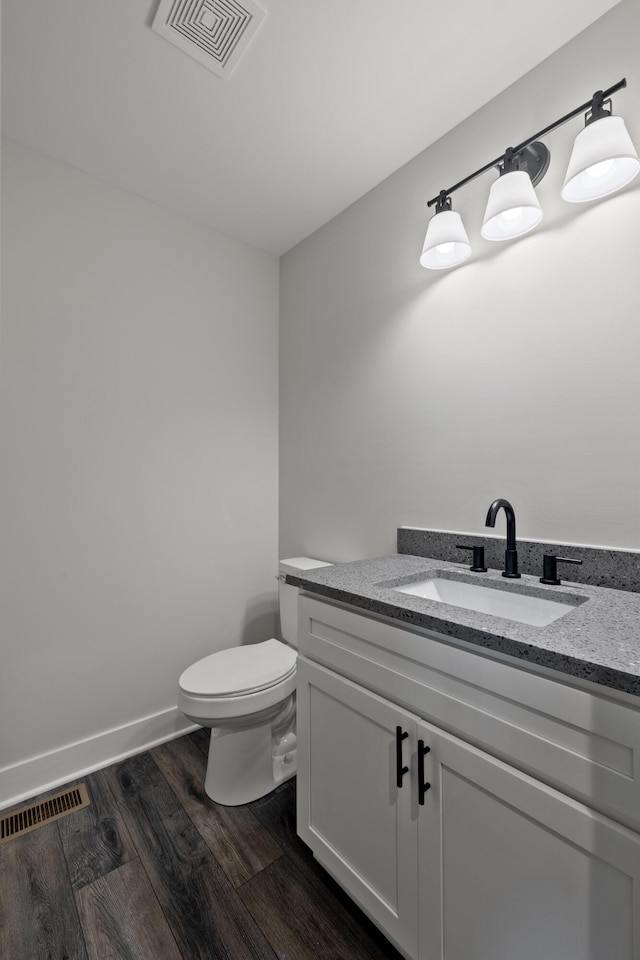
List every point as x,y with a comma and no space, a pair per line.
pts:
534,159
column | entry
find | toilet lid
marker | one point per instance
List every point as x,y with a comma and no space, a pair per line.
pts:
239,670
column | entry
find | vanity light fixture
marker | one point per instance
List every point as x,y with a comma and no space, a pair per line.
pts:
446,243
513,207
603,160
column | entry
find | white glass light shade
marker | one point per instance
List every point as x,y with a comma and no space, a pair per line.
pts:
446,243
512,207
603,160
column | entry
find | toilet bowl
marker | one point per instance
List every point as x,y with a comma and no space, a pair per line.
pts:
246,695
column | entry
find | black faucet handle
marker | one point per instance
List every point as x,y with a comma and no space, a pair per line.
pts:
478,558
550,568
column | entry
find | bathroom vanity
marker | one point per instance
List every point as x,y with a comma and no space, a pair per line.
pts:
471,781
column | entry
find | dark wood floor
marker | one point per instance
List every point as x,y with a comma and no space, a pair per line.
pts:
154,870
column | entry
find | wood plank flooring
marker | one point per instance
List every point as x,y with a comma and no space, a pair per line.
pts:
153,869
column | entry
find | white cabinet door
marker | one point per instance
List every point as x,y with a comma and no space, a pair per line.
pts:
360,825
510,869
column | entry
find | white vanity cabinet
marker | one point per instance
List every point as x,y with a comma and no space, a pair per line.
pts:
489,861
361,827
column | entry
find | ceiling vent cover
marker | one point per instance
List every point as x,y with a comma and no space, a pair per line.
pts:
214,32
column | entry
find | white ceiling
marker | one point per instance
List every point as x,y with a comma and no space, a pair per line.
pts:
330,98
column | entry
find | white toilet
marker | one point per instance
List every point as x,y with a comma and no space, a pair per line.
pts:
247,696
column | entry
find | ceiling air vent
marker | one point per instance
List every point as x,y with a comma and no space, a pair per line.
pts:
214,32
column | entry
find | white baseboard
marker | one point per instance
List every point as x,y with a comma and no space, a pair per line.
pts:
26,779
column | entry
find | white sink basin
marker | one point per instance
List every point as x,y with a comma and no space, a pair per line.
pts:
486,598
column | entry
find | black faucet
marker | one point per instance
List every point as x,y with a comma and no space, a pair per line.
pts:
511,554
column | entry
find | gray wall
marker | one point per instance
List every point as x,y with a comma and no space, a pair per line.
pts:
139,453
415,397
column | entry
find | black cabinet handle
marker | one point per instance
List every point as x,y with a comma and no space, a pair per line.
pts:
423,750
400,770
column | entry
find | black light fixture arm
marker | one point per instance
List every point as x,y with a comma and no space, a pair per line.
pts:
594,103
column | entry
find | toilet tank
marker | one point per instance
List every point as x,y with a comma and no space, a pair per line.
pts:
288,595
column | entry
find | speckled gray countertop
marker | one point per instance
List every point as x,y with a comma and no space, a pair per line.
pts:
597,640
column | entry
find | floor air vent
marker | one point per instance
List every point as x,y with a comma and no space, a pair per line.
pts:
214,32
37,814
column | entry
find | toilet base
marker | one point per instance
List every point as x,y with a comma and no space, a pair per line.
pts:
247,764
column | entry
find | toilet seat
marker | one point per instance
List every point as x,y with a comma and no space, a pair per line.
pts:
238,681
239,670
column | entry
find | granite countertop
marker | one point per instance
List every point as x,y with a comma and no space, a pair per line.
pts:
597,640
